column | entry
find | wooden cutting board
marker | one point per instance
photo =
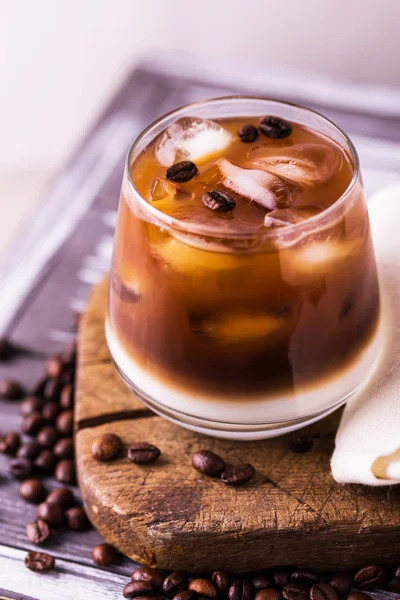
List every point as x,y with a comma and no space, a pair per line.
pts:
169,515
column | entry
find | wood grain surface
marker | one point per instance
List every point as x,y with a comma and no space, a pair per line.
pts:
169,515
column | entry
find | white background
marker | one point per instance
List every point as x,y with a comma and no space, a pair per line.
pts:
60,60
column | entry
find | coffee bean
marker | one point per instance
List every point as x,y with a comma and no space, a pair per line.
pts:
62,496
323,591
268,594
182,171
218,201
237,475
275,127
203,587
174,583
186,595
281,577
77,519
52,389
300,444
29,450
136,589
50,411
261,581
358,596
248,133
221,581
40,562
65,471
208,462
32,423
241,589
67,397
39,387
47,436
64,448
369,578
305,577
105,555
6,349
38,531
65,422
154,576
54,366
46,461
32,490
30,404
106,447
295,591
53,514
143,453
342,582
9,443
20,468
11,390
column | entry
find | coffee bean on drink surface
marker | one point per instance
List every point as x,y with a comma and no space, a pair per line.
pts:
203,587
237,474
105,555
29,450
300,444
221,581
261,581
248,133
342,582
77,519
32,423
40,562
65,471
62,496
305,577
54,366
9,443
65,422
11,389
154,576
281,577
323,591
241,589
186,595
46,461
21,468
53,514
218,201
106,447
64,448
47,436
38,531
295,591
30,404
32,490
275,127
66,396
208,462
268,594
182,171
174,583
143,453
369,577
50,411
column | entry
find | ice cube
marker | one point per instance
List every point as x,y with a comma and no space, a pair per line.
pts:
307,165
259,186
163,189
240,327
290,216
191,138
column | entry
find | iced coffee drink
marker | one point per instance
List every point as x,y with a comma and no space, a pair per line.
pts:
244,299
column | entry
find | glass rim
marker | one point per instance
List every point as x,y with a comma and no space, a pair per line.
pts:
198,229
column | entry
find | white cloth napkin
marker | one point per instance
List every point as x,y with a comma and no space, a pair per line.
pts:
368,439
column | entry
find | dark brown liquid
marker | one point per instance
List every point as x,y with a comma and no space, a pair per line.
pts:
223,320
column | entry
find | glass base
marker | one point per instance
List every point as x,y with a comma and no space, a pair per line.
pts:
254,420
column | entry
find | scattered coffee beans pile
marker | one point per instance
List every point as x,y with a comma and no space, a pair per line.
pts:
47,420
